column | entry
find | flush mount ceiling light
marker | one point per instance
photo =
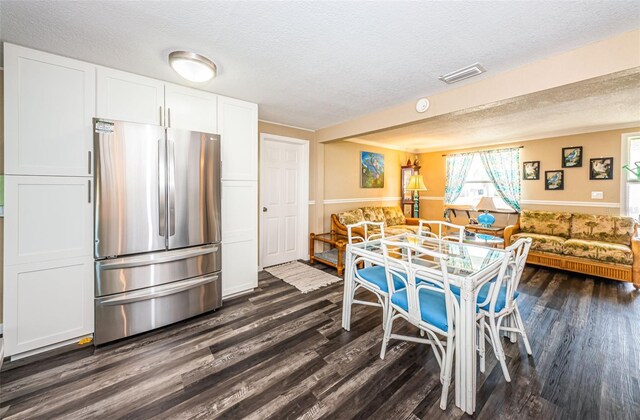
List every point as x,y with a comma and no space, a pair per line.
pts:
463,73
193,67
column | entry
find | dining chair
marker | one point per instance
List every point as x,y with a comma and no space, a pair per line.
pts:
445,230
371,277
430,306
497,302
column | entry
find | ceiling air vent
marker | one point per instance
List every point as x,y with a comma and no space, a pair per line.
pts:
463,73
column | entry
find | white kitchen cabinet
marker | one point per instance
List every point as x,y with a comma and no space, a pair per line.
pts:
48,218
239,236
238,128
47,303
190,109
49,103
128,97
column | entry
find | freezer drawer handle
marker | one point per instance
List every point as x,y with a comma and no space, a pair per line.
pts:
149,261
89,191
165,291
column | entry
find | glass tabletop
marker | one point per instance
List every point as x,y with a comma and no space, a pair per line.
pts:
464,259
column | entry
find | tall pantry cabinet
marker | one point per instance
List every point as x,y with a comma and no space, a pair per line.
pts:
48,258
49,105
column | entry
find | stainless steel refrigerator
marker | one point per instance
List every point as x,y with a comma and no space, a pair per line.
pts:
157,227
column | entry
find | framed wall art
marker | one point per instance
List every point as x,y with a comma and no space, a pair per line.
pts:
554,180
572,157
601,168
371,170
531,170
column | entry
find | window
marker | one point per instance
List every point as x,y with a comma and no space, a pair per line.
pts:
478,185
631,183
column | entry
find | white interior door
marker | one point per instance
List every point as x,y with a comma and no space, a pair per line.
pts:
284,198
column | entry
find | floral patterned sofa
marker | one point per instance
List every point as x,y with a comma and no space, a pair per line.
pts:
394,220
604,246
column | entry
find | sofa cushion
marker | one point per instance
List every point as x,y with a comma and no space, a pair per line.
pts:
400,229
543,243
393,216
350,217
598,227
373,214
600,251
546,223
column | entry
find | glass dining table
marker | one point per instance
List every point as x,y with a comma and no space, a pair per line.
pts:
469,267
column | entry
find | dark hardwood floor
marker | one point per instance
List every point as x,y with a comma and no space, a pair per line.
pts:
277,353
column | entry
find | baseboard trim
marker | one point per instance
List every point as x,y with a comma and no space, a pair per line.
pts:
360,200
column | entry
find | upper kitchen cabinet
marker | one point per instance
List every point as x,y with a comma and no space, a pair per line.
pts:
238,128
191,109
49,103
128,97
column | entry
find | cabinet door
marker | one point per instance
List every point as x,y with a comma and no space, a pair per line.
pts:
49,103
238,125
191,109
47,303
239,236
129,97
47,218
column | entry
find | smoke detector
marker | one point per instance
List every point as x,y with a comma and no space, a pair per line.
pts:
422,105
463,73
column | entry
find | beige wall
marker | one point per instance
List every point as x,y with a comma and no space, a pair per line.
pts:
548,151
342,177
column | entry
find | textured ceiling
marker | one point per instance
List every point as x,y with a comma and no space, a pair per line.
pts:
315,64
601,103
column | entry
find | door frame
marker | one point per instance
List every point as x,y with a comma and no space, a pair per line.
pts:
303,191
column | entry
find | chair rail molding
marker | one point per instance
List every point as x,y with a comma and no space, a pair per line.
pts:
606,204
571,203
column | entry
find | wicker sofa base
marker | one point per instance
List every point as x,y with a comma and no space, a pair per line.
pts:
582,265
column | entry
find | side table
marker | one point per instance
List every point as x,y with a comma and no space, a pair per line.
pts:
494,231
334,257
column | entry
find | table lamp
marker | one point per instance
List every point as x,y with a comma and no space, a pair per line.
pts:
416,183
486,205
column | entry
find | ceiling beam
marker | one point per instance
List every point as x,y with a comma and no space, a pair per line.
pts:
611,55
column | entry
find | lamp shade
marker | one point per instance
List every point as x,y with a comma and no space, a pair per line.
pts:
416,183
486,203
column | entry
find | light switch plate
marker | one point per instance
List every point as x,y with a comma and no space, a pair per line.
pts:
597,195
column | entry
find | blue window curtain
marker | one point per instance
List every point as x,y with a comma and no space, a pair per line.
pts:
503,168
457,169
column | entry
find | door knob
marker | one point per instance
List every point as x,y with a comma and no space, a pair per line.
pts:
264,209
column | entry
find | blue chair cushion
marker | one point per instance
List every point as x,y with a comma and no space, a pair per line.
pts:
484,291
500,302
432,306
377,277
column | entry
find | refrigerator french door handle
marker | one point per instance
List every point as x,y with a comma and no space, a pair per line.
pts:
162,205
172,189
